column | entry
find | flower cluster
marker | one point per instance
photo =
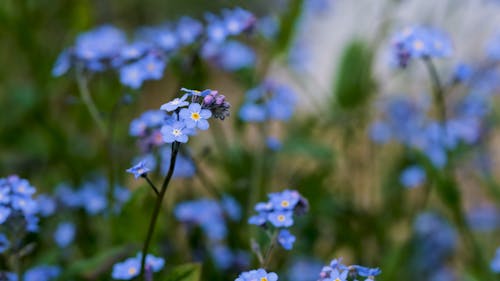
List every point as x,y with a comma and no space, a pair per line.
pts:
268,101
279,212
130,268
91,196
17,206
336,271
419,42
185,118
106,47
405,120
257,274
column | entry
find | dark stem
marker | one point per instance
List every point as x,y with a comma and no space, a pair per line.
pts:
156,211
145,176
438,90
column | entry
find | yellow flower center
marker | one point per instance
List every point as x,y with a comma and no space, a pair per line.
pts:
195,116
418,45
150,67
132,271
281,218
176,132
285,203
263,279
337,279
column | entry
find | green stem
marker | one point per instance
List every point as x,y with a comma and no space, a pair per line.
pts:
272,243
438,90
156,211
89,102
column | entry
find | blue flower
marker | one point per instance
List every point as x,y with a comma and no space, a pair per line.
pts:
303,269
285,200
188,30
257,274
412,176
42,273
281,218
420,42
132,75
139,170
208,214
273,143
196,92
231,207
46,205
100,43
4,214
493,48
367,271
4,243
230,55
237,20
286,239
62,64
184,166
8,276
259,219
64,234
195,117
130,268
250,112
175,103
495,263
166,39
175,132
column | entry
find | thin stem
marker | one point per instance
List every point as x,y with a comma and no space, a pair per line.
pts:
89,102
156,211
438,90
145,176
267,255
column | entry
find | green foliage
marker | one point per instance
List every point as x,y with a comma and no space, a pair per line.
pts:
185,272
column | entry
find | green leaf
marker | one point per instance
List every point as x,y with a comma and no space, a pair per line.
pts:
288,26
95,266
185,272
354,83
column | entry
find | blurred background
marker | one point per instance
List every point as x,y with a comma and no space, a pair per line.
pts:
354,130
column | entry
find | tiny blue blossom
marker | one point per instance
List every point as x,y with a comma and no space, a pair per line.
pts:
139,170
495,263
175,103
286,239
175,132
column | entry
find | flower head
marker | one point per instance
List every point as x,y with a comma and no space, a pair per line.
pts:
175,103
195,117
175,132
139,170
131,267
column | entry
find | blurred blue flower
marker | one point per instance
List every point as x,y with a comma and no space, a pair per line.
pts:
184,166
8,276
100,43
493,48
130,268
42,273
412,176
46,205
64,234
484,218
188,30
206,213
420,42
269,100
231,207
303,269
62,64
286,239
257,274
16,200
139,169
233,56
495,262
4,243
